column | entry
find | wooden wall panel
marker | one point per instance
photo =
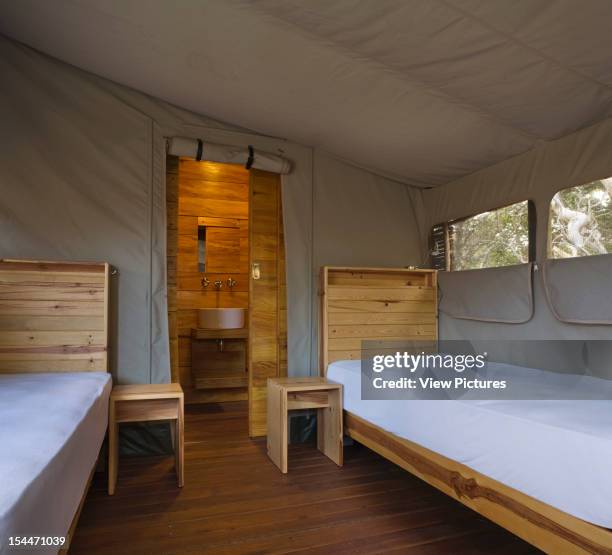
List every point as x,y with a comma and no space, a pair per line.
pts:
223,250
265,328
53,316
215,195
385,304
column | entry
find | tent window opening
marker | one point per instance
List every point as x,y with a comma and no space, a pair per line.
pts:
580,222
501,237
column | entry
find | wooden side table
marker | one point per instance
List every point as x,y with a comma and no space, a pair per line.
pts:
145,403
285,394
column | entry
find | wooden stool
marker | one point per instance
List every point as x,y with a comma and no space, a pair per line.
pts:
285,394
145,403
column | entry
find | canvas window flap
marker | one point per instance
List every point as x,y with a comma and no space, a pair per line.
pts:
489,295
578,290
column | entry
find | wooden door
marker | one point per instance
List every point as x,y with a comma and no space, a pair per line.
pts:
267,306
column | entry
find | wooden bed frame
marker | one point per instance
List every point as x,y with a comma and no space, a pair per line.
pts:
368,303
54,318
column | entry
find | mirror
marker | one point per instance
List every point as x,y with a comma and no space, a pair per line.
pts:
201,248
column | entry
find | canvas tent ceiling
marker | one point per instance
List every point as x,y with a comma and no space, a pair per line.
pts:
427,90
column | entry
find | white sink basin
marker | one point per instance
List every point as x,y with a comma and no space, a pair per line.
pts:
221,318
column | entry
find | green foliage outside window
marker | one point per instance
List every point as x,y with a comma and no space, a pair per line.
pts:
491,239
580,222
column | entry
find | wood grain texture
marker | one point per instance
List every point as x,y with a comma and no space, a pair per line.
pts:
53,316
215,195
532,520
285,394
538,523
200,333
216,367
375,304
75,520
236,502
265,331
145,403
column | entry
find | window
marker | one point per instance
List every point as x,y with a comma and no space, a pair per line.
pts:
501,237
439,247
580,222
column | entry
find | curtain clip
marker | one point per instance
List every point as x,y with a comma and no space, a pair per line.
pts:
251,158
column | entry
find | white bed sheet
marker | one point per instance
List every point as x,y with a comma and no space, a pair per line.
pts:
51,428
559,452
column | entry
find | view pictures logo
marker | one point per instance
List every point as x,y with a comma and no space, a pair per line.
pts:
412,362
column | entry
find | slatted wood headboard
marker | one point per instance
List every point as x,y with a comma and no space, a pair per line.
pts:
387,304
53,316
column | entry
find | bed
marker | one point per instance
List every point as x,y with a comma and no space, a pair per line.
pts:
461,447
54,392
531,446
50,442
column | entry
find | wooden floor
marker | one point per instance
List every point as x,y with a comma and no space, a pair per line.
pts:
235,501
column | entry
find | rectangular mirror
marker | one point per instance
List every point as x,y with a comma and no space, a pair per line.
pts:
201,248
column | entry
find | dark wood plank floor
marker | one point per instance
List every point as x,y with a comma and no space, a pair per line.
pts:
235,501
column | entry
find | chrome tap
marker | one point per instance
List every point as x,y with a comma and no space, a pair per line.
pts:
231,283
218,284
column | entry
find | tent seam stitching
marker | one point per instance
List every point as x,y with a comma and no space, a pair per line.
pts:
512,38
430,90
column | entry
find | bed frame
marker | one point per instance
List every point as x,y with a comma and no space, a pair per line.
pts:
360,304
54,318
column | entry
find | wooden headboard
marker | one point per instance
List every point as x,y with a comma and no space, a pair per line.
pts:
53,316
386,304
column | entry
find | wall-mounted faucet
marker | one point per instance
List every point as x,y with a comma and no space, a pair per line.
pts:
231,283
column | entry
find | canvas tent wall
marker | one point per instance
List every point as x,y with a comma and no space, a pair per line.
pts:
82,173
580,284
92,152
426,90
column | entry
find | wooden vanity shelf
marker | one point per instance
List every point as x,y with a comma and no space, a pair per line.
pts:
219,358
198,333
222,380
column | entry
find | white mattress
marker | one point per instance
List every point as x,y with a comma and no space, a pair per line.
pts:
559,452
51,429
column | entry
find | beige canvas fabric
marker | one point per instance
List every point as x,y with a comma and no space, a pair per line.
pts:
577,305
578,289
82,176
359,219
428,90
501,295
488,102
227,154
